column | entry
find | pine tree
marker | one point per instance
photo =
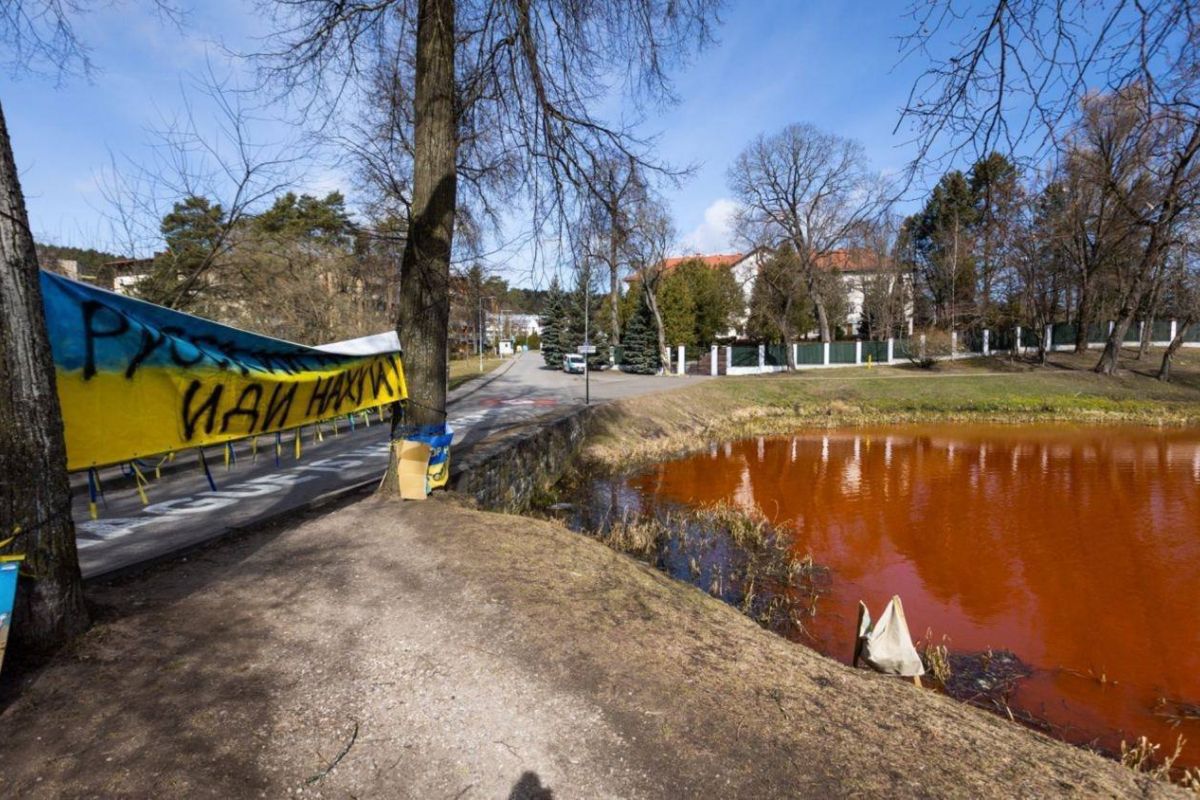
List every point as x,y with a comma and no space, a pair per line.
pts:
555,323
640,345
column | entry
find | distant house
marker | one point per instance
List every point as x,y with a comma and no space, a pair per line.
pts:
857,267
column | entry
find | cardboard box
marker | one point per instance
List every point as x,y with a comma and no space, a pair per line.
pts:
413,467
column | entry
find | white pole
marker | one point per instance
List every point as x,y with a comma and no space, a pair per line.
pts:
713,366
728,359
762,358
825,353
987,350
953,343
858,351
680,367
891,349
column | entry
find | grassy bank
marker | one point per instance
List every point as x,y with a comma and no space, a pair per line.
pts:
463,370
645,429
431,650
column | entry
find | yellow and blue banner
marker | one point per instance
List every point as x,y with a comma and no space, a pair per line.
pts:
136,379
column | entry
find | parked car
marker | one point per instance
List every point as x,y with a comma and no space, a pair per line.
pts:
573,362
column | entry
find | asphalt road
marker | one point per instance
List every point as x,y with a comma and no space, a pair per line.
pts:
183,511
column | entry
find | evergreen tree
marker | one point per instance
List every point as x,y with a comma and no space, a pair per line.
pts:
640,344
595,330
555,324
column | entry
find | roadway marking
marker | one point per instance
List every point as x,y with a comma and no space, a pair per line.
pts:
92,532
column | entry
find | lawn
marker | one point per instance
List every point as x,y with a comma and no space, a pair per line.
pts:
467,369
994,389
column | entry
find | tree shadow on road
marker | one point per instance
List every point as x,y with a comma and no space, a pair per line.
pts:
529,787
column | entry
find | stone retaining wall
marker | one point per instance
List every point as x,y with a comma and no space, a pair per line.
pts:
506,474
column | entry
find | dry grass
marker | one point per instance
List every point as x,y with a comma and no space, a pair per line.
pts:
1144,757
728,552
655,427
463,370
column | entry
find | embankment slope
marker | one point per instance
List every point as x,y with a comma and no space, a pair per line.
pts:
447,652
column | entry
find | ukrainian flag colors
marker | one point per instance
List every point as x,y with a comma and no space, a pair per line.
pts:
136,379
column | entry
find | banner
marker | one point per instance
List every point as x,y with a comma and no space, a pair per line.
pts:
136,379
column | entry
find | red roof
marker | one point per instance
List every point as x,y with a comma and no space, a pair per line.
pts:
850,259
717,260
712,261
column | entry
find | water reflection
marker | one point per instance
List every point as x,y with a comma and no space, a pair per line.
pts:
1077,549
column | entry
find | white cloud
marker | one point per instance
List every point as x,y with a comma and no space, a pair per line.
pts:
715,234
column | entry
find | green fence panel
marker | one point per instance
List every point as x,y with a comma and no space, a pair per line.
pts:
810,353
1030,337
905,348
776,355
745,355
1193,333
1063,333
619,354
875,351
1161,332
972,341
1133,333
841,352
1002,339
1097,333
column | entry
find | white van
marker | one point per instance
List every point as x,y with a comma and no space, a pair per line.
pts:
573,362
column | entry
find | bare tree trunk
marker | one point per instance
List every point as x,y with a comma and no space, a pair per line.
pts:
1083,315
614,287
35,495
664,356
1181,331
1112,346
424,304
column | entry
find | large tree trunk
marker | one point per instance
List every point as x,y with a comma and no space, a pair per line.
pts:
1112,346
614,284
424,316
1083,315
664,356
35,495
1164,370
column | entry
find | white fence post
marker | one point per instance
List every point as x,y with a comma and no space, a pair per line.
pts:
1049,334
728,359
681,366
987,349
953,344
921,349
891,350
858,351
1017,342
1141,330
796,354
714,367
1174,329
762,358
825,353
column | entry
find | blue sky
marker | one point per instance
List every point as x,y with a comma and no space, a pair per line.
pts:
833,64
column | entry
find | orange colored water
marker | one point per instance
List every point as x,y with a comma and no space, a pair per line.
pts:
1077,549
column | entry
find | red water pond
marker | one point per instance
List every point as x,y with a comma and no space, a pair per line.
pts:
1078,549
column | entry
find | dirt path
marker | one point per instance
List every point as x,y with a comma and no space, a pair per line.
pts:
442,652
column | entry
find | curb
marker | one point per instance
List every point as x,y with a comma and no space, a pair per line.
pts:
472,386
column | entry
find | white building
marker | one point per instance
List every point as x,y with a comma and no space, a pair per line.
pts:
506,325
